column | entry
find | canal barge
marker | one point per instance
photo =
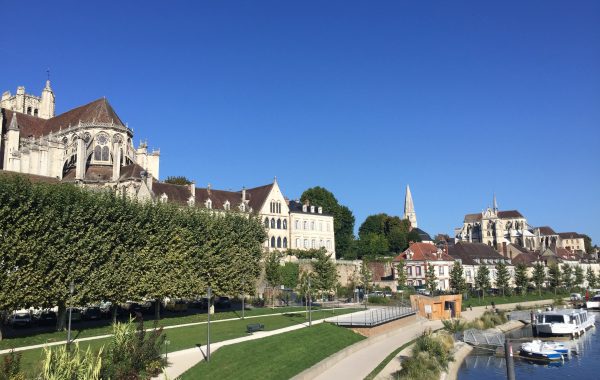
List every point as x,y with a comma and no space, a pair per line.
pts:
569,322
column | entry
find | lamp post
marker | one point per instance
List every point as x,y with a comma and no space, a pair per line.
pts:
243,298
167,342
71,290
309,305
208,326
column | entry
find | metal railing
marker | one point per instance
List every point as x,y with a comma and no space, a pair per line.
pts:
373,317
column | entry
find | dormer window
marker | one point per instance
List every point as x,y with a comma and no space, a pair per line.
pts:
208,204
242,207
191,201
304,208
164,198
312,209
320,210
227,205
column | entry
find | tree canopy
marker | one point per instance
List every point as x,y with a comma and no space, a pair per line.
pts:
116,249
382,234
343,225
178,180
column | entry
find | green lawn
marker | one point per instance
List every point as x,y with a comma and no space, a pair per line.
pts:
169,321
277,357
498,300
188,337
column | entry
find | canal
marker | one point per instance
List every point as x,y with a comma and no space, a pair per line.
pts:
583,363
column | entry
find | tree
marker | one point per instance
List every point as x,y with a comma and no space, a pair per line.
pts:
325,274
373,245
398,240
482,279
289,275
554,276
272,272
457,279
502,277
373,224
440,238
579,276
539,276
401,276
178,180
591,278
587,244
431,281
365,276
567,276
343,218
521,278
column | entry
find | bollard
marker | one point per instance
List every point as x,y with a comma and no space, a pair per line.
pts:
510,361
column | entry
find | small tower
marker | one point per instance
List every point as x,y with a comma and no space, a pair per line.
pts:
47,102
409,209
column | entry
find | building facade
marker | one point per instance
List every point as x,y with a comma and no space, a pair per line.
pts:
418,258
311,228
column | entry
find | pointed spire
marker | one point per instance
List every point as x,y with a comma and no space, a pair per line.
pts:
409,208
495,204
14,125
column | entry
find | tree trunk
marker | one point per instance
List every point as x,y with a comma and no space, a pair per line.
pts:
61,318
157,309
114,309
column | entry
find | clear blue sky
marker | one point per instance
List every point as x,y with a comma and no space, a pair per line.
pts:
457,99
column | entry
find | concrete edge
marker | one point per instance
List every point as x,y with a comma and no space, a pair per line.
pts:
330,361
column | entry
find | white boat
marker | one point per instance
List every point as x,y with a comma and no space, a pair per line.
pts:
572,322
593,303
555,346
538,350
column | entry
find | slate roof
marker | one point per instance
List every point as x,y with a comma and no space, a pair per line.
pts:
257,196
468,252
31,177
570,235
97,111
546,230
509,214
296,207
422,234
131,171
100,173
527,258
218,198
179,194
423,252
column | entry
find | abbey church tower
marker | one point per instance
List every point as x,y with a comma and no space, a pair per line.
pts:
409,209
38,106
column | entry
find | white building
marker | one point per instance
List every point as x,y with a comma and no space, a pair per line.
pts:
311,228
417,259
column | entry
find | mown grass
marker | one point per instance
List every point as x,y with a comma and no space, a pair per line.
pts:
77,332
276,357
499,300
191,336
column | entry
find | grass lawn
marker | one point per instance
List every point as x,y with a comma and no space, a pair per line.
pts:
103,330
188,337
276,357
498,300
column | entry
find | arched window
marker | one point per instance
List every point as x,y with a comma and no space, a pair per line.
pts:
312,225
101,149
297,224
227,205
328,244
297,243
279,207
279,242
35,112
273,223
208,203
285,224
284,242
273,241
278,224
305,225
28,110
305,243
313,243
267,222
98,153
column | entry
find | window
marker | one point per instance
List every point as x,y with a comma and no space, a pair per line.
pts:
297,243
279,242
227,206
329,244
273,223
242,207
101,150
297,224
267,222
321,243
441,269
284,242
208,203
273,241
305,225
409,271
278,224
305,243
312,225
28,110
320,226
35,112
417,271
285,224
164,198
313,244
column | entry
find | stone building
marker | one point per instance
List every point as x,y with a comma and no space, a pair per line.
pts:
417,259
310,228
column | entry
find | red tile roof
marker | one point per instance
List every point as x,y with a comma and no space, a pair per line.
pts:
423,252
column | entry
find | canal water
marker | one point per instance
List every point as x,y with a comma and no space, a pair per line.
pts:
582,363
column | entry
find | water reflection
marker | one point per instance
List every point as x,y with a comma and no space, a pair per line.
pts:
583,361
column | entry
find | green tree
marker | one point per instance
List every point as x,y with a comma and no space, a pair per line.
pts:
373,224
538,276
401,276
178,180
373,245
502,277
521,278
289,275
567,276
591,278
431,281
587,243
579,276
365,276
554,276
325,274
343,218
482,279
457,278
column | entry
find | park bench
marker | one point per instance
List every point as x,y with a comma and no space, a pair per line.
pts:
254,327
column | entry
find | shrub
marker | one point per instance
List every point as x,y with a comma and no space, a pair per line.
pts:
59,363
378,300
10,367
454,325
430,355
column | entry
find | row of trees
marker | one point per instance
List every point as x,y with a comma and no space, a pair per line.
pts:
115,249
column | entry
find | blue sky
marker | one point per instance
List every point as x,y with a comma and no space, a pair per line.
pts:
457,99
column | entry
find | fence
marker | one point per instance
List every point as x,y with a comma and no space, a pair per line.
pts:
486,338
373,317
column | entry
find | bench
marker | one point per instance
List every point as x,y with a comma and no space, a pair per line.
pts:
254,327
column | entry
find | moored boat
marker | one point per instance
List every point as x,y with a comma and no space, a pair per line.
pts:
538,350
593,303
570,322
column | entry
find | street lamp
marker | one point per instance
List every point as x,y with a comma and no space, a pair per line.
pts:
71,290
243,298
309,305
208,327
167,342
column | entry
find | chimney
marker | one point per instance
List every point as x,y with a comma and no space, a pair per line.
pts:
244,194
193,189
208,189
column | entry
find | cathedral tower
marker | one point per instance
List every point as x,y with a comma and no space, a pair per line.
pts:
409,209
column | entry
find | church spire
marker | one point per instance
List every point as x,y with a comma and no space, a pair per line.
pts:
409,208
495,204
